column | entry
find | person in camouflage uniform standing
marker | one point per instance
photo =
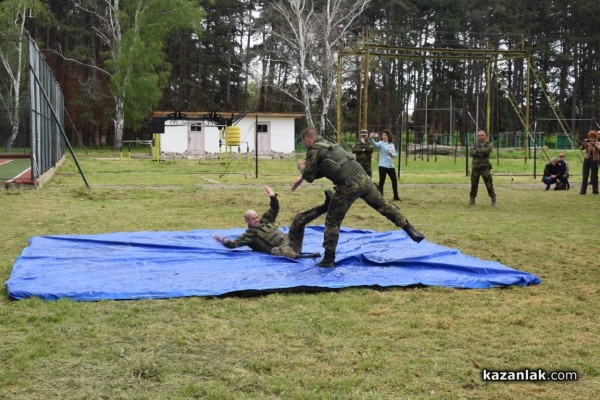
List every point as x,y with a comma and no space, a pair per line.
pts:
264,236
482,167
363,151
326,159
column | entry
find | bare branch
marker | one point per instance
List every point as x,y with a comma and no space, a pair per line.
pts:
93,66
313,37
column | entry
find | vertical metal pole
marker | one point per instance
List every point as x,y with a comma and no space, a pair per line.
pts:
477,115
399,137
364,98
365,119
339,98
467,154
450,122
62,131
527,100
156,149
534,152
359,113
489,97
407,141
426,135
452,130
256,145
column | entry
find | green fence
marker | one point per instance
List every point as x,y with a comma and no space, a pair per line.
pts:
503,140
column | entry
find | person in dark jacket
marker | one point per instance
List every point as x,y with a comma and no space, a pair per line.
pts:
565,166
554,173
363,152
326,159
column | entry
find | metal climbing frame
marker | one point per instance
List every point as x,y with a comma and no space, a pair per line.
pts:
368,50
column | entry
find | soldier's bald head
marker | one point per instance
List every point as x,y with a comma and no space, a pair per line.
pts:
252,218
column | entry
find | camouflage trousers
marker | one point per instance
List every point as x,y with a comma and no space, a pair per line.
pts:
368,169
485,173
295,237
345,196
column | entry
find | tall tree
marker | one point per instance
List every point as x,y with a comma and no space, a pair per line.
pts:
210,68
13,21
313,33
133,35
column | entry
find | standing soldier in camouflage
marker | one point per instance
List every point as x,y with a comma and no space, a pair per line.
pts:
264,236
482,167
363,150
327,159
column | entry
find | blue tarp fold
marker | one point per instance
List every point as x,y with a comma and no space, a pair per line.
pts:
146,265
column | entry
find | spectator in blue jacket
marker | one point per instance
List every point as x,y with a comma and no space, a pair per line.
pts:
387,153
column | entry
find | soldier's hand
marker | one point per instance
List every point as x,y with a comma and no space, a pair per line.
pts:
219,238
269,191
297,183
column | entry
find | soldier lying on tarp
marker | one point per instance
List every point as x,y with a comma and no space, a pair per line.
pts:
264,236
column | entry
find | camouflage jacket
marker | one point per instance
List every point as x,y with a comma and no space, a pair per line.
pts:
481,154
318,159
363,152
265,236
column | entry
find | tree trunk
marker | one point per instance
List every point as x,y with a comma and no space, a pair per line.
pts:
119,123
15,83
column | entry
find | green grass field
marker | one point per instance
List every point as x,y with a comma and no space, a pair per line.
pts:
418,343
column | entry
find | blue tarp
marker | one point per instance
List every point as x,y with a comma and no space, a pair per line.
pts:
148,265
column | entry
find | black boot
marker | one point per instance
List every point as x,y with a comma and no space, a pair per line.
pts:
413,233
328,260
325,206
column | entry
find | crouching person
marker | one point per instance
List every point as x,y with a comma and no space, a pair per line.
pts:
554,173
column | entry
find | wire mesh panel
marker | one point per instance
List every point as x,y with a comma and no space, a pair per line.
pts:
47,112
15,138
31,123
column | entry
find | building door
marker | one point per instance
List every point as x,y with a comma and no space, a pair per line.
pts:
196,140
263,134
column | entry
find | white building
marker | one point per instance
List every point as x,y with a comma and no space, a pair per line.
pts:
203,139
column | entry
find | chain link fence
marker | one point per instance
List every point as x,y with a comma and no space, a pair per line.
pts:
30,126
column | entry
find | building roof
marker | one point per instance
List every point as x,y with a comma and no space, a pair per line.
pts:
229,113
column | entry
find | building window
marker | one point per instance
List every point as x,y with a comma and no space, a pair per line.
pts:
262,128
196,128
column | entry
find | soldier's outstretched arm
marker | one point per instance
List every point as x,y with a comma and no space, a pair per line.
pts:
297,183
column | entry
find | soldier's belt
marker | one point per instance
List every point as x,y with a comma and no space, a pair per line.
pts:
349,181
